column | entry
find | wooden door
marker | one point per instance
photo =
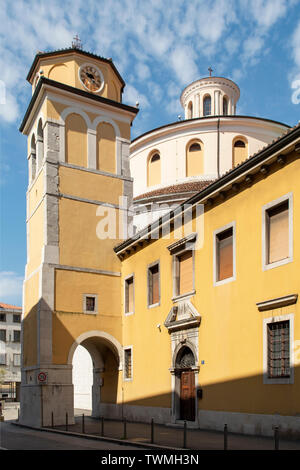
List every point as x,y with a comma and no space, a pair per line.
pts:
187,396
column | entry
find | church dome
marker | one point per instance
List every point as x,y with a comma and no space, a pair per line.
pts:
210,96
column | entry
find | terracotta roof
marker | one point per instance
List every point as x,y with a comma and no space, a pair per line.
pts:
190,186
4,306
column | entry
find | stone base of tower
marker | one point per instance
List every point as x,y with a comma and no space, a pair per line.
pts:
46,404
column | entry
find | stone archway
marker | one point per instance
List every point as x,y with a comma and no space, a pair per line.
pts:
106,353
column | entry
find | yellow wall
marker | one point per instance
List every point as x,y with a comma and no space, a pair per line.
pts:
231,330
106,148
76,140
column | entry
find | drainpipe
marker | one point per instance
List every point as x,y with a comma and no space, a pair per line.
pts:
218,148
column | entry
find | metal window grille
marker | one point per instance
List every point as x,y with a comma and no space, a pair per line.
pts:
128,363
279,349
17,318
2,317
90,304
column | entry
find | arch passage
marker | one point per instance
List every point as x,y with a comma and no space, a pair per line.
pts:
106,355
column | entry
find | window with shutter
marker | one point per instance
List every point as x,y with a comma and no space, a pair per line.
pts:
153,284
129,295
224,242
185,282
278,232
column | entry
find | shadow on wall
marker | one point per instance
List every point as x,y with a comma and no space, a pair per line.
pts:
246,394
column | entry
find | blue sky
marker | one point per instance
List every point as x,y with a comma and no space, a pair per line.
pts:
158,47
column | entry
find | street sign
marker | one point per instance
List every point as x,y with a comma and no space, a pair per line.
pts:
42,377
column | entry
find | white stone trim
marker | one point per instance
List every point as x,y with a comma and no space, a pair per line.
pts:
76,110
248,423
215,260
113,342
277,303
269,205
275,319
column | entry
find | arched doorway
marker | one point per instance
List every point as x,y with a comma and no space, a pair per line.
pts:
184,370
101,389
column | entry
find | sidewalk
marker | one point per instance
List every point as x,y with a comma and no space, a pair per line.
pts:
172,436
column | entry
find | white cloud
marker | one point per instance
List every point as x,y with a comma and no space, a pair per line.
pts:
132,96
10,287
183,61
267,12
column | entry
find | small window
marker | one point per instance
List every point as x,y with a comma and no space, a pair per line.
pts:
207,106
195,147
153,285
3,335
127,364
90,303
278,232
17,336
129,295
2,317
17,318
185,276
224,247
279,349
240,144
17,360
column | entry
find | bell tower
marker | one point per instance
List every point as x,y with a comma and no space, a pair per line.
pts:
78,134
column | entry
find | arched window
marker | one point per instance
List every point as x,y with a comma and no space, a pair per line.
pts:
194,159
207,106
190,110
154,170
76,140
240,151
40,145
225,106
32,158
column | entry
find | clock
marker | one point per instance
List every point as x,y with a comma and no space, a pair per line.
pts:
91,77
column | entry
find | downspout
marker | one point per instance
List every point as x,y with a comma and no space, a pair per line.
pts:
218,148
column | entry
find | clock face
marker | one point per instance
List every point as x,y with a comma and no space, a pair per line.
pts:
90,77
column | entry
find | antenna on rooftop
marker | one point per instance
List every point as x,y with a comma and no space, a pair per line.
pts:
76,43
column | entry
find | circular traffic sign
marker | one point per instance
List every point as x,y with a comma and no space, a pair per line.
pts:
42,377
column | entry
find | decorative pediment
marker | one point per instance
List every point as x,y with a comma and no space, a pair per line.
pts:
182,316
